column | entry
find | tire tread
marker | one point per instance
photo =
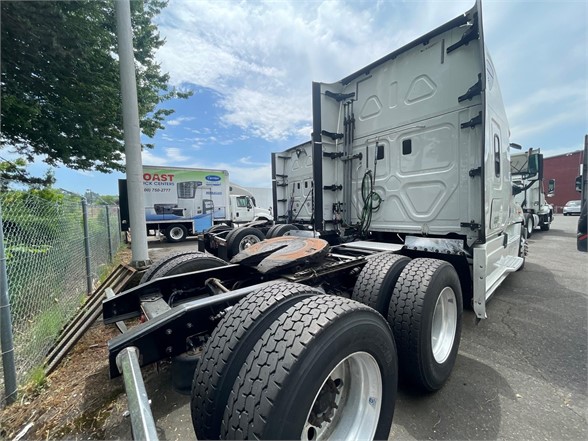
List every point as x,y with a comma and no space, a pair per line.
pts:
268,365
219,352
369,284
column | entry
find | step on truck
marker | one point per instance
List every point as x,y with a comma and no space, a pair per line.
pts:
182,201
410,218
528,189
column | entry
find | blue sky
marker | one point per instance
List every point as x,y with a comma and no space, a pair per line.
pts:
251,64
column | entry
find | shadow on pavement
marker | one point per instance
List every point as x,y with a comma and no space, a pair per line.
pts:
468,406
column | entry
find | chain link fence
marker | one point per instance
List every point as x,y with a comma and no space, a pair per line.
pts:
52,261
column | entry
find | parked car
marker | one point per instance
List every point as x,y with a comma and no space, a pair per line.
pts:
572,208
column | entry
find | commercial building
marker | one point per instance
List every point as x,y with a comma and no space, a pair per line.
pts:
563,169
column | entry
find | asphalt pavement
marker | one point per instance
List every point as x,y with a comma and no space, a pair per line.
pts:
520,374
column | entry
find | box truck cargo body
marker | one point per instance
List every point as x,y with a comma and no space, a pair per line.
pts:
186,201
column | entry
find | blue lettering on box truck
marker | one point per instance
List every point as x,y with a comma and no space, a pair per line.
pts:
213,178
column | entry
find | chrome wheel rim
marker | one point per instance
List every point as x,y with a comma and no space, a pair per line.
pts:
444,325
347,406
247,241
529,226
176,233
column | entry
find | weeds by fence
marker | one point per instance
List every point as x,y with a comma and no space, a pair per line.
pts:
47,268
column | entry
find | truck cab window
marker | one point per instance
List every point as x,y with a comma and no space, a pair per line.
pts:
242,201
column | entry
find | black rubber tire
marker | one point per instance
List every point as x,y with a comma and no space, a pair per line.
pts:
377,279
410,316
235,237
187,264
545,226
148,275
282,375
229,346
179,228
529,225
279,230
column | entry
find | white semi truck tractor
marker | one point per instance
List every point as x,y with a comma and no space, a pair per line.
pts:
400,214
528,189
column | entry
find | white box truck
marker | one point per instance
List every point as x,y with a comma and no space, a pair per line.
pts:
183,201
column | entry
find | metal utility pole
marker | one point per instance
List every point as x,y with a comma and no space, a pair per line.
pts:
585,172
6,337
132,135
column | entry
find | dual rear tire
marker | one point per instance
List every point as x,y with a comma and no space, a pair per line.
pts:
327,362
423,303
242,238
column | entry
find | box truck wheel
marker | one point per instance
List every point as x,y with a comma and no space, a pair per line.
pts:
425,314
375,283
155,266
279,230
228,347
176,233
241,238
326,368
529,224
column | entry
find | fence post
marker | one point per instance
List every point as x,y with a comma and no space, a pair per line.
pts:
87,247
6,338
108,229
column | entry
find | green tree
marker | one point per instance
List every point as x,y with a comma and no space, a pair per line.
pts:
11,171
60,80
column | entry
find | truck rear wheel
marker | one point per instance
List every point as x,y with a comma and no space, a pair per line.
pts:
241,238
279,230
545,222
148,275
176,233
425,314
377,279
529,224
229,346
326,368
187,263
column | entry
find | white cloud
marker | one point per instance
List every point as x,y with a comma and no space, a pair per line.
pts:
262,57
180,120
242,172
175,154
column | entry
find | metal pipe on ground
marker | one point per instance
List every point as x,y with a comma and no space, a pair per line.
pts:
142,421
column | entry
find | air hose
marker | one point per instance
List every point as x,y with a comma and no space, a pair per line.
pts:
371,202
